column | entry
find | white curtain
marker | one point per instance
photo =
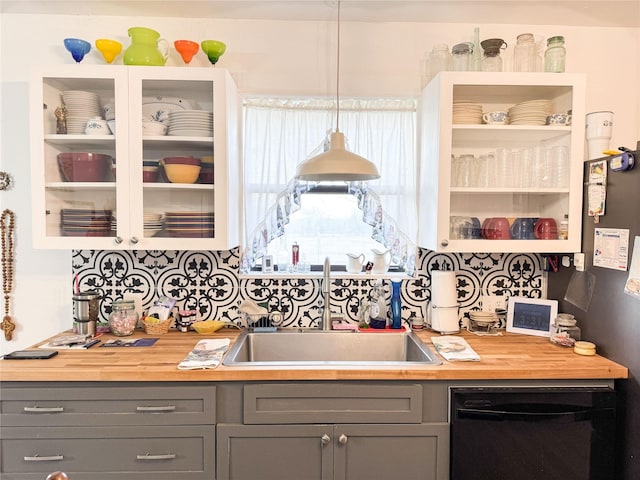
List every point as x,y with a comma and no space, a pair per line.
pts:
280,133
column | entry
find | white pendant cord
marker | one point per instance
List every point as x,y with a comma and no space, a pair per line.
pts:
338,74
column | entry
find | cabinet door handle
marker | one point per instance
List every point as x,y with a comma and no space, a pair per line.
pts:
37,409
162,456
47,458
343,439
159,408
134,240
444,243
325,439
118,240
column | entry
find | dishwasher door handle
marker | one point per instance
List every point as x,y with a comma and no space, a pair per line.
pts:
538,416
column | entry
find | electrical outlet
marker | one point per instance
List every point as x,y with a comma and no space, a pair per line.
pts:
491,302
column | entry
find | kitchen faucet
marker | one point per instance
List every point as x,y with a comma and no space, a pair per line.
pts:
325,321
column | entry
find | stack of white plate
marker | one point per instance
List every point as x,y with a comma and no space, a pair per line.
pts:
189,224
81,107
152,223
532,112
467,113
191,123
157,108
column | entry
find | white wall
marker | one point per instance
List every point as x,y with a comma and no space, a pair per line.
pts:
265,57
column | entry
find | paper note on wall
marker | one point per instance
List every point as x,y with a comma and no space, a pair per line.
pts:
632,286
611,248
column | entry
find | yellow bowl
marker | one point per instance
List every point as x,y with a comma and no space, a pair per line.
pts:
207,327
181,173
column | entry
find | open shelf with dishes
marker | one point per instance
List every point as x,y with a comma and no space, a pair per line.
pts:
478,178
79,180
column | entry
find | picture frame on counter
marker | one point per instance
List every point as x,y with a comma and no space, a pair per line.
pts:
531,316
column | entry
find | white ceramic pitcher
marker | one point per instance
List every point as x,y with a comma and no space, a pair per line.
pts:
354,262
381,261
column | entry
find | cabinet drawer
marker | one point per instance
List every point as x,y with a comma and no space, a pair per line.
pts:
332,403
108,452
102,404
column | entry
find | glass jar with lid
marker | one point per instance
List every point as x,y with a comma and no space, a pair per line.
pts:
439,59
491,60
462,54
525,53
124,318
565,330
555,55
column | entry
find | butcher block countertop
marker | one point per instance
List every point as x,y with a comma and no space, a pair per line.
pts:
510,356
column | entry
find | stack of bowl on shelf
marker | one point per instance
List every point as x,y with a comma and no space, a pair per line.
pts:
81,107
150,171
85,167
181,169
206,172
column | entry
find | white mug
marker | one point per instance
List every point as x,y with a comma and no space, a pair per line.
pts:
354,262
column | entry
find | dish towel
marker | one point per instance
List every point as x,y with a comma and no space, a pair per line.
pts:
455,349
206,354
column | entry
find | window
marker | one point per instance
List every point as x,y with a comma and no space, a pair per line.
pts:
280,133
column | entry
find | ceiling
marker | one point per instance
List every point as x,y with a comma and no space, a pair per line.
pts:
609,13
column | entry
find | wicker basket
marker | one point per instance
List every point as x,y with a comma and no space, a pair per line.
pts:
156,328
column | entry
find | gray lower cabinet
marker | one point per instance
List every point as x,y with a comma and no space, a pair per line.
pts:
333,452
102,430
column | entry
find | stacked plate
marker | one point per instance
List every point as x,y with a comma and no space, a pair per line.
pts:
152,223
189,224
482,319
467,113
532,112
191,123
81,107
77,222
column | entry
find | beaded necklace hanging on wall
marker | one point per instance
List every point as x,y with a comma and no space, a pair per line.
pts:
8,234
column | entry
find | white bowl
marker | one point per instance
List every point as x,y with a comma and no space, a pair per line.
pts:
151,128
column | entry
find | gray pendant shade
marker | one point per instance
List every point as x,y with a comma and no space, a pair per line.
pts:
337,164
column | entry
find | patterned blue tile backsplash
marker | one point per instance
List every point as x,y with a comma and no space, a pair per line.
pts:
209,283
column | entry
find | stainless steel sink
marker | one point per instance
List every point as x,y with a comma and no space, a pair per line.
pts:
332,348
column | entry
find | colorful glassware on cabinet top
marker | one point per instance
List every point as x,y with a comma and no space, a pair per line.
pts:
214,49
147,48
77,47
109,49
187,49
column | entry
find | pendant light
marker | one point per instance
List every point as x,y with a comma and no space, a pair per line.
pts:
337,164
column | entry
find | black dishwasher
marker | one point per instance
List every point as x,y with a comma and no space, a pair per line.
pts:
562,433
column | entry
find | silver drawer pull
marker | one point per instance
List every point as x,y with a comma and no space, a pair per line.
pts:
48,458
160,408
37,409
148,456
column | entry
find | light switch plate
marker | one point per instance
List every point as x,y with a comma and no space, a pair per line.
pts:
491,302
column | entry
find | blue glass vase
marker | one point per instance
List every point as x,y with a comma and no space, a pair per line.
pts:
396,305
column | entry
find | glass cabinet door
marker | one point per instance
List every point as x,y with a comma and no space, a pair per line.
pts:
74,167
179,158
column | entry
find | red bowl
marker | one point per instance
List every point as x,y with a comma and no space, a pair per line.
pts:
85,167
206,176
182,160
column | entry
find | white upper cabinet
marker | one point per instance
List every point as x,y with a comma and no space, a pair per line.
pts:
484,187
109,204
